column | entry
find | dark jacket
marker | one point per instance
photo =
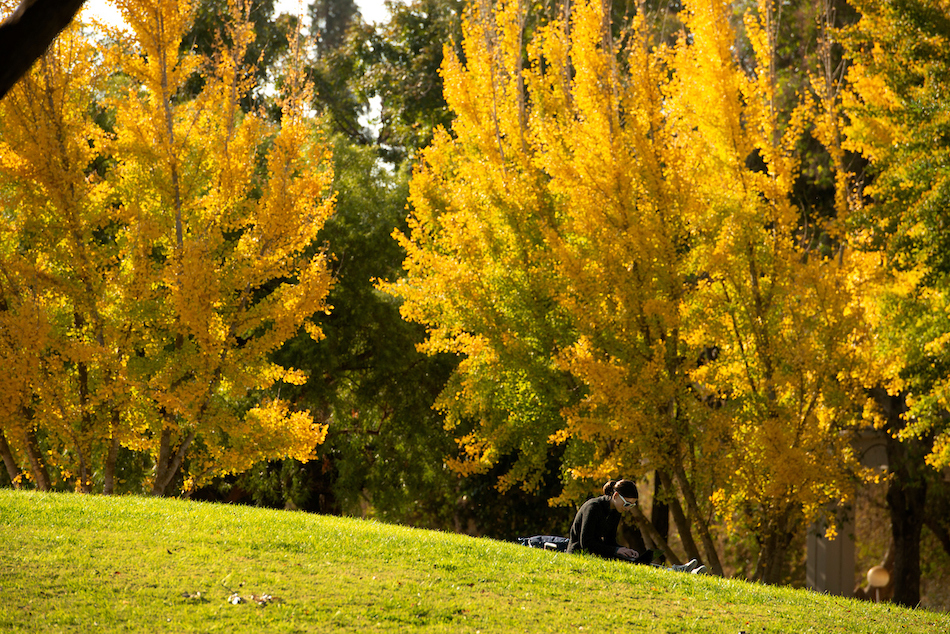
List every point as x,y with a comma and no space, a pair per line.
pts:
595,528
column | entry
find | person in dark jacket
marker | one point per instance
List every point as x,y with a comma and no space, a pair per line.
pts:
594,529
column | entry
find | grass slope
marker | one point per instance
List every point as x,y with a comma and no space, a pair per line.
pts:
72,563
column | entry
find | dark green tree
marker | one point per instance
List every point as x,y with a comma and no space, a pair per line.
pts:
334,70
329,22
368,381
386,449
398,63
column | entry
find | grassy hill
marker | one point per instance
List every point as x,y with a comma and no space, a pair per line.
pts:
71,563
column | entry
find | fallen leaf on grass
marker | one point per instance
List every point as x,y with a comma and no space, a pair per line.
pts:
265,599
259,599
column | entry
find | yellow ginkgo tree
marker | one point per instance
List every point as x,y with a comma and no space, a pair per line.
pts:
176,252
62,354
781,293
634,203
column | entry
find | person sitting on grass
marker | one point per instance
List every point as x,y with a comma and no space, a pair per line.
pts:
594,529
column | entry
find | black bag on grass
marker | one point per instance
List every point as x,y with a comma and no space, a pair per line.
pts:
547,542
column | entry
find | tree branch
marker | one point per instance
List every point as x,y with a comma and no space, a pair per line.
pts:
27,33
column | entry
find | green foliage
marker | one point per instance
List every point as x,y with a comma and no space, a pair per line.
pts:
399,63
386,447
334,70
899,121
80,563
385,444
899,111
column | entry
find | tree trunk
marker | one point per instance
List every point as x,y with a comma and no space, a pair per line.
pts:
906,500
85,477
773,550
660,515
13,469
646,527
27,33
169,464
37,465
679,518
82,375
161,463
712,555
108,480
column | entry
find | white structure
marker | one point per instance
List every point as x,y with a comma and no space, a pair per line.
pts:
830,566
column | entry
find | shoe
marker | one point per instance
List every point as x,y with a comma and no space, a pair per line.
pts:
687,567
699,570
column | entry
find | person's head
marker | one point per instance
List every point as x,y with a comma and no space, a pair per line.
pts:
623,494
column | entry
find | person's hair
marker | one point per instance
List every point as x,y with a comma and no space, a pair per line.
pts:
626,488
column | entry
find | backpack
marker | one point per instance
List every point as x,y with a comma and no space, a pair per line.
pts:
547,542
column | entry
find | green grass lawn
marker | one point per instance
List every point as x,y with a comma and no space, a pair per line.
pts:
72,563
